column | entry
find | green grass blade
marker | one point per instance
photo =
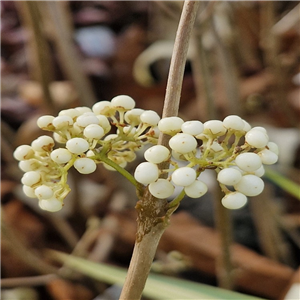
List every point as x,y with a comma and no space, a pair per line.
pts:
284,183
158,287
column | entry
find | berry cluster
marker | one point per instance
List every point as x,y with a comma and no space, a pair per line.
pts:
109,133
112,131
212,145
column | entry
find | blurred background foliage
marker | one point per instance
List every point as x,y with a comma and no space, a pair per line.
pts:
243,59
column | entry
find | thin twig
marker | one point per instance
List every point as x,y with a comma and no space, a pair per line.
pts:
27,281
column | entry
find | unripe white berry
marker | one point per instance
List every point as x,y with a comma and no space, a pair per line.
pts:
29,165
110,137
71,112
83,109
268,157
85,165
30,178
256,138
52,204
45,122
58,138
183,143
273,147
184,176
62,122
104,123
247,126
133,116
249,162
162,188
214,127
100,106
77,145
123,101
23,152
260,128
28,191
150,117
192,127
146,173
196,190
61,155
157,154
170,125
250,185
43,143
234,122
87,119
43,192
93,131
260,172
229,176
234,200
216,147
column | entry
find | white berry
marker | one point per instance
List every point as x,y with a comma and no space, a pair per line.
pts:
268,157
62,121
150,117
29,165
184,176
43,192
30,178
100,106
77,145
123,101
234,200
45,122
28,191
196,190
192,127
85,165
133,116
162,188
183,143
93,131
146,173
234,122
273,147
61,155
229,176
249,162
256,138
170,125
86,119
23,152
43,143
157,154
250,185
52,204
214,127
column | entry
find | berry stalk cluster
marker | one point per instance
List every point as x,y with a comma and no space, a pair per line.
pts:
112,131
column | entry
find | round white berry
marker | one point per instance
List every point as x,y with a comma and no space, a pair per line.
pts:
273,147
29,165
23,152
247,126
256,138
234,200
170,125
93,131
28,191
62,122
104,123
100,106
133,116
260,128
234,122
85,165
77,145
71,112
192,127
162,188
45,122
61,155
196,190
183,143
178,156
150,117
268,157
52,204
87,119
110,137
229,176
184,176
123,101
157,154
214,127
43,143
249,162
260,171
83,109
58,138
250,185
146,173
30,178
216,147
44,192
